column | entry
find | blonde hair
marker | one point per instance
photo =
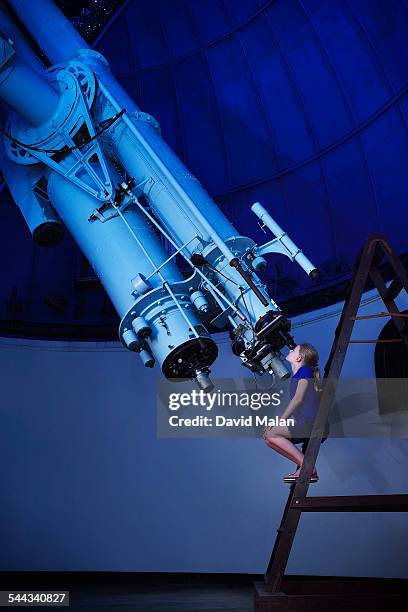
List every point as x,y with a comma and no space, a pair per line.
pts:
311,358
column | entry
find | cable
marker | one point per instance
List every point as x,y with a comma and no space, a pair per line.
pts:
106,125
241,291
246,308
221,274
242,295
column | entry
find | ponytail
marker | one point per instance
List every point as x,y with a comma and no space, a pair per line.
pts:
317,381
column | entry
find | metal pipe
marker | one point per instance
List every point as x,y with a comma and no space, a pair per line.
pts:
27,92
37,211
170,176
21,45
46,23
109,247
287,246
212,288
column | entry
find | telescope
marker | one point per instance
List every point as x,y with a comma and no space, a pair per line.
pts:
79,155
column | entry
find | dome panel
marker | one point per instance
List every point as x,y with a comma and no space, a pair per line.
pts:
200,121
307,215
146,39
243,10
322,97
362,81
121,59
387,152
178,27
157,95
242,114
385,24
210,19
352,203
282,102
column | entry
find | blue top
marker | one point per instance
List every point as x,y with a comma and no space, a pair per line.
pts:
306,412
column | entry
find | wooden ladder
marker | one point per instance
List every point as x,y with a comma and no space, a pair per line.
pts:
367,267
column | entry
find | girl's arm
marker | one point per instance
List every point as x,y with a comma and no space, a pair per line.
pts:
297,399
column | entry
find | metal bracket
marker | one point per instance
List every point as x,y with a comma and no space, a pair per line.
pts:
276,246
51,145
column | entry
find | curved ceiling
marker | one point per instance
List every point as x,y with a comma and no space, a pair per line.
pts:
300,104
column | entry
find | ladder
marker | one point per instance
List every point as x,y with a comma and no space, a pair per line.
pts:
269,595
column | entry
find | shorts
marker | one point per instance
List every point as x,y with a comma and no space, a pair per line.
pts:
300,432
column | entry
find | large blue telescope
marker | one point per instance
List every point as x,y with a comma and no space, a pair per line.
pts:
78,153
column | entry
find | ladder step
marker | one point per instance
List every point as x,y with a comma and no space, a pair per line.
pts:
352,503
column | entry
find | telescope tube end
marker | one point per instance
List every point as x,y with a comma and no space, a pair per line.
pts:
204,381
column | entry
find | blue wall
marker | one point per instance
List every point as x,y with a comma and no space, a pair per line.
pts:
86,484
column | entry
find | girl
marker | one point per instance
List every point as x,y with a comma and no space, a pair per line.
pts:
305,387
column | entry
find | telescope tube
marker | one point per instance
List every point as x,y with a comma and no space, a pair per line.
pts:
174,194
160,316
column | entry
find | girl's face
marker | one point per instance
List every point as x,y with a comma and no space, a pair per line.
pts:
293,355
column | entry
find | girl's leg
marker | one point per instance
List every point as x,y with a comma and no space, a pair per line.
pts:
278,438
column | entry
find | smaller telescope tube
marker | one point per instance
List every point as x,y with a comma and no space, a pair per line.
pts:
293,251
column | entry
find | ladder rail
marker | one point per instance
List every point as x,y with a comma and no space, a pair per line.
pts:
298,502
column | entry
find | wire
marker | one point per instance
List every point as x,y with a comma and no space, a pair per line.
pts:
246,308
106,124
221,274
242,295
